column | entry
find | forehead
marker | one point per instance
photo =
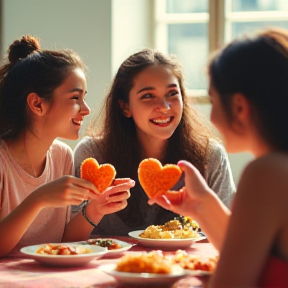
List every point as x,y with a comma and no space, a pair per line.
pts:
155,74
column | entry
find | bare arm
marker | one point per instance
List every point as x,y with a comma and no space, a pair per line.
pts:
63,192
259,214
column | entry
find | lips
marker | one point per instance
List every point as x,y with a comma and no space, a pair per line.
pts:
162,120
77,122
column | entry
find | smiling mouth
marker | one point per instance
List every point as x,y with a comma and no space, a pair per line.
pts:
162,121
77,122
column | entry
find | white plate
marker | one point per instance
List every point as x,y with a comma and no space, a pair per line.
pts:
164,243
143,278
64,260
125,246
197,272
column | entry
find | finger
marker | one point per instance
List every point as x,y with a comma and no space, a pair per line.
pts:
188,168
119,188
161,200
118,181
115,206
84,184
118,196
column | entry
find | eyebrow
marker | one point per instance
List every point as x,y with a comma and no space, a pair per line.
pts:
77,90
153,88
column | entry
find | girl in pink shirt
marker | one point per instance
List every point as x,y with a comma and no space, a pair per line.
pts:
42,98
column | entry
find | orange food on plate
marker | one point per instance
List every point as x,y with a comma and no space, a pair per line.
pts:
152,262
195,262
155,178
101,176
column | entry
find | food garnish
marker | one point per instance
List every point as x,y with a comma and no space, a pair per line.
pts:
109,243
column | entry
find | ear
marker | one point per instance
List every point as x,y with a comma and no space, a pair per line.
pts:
36,104
241,109
125,108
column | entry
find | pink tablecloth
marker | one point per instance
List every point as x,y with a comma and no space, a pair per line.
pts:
22,273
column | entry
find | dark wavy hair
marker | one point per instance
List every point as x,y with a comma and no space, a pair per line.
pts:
29,69
257,67
119,144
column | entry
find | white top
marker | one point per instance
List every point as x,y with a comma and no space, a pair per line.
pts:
16,184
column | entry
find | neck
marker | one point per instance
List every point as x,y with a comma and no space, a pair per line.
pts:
153,148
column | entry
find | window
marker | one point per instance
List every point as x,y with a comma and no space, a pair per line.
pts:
192,29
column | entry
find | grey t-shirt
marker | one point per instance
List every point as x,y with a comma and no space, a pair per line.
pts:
217,174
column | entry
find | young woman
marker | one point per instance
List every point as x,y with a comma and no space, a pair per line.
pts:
249,96
42,98
147,114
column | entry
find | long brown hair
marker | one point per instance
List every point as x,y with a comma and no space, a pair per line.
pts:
117,134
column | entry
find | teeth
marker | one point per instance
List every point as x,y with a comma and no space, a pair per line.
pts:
161,121
77,122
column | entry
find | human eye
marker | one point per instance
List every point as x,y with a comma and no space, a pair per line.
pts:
76,97
173,93
147,96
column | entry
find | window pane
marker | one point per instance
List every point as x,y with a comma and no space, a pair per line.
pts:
190,44
186,6
239,28
259,5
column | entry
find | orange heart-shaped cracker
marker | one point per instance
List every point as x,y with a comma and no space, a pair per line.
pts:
100,175
154,178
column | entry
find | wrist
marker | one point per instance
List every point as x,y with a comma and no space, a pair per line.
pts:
89,214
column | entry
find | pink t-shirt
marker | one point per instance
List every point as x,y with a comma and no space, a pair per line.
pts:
16,184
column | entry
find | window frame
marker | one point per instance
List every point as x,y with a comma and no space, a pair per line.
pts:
220,18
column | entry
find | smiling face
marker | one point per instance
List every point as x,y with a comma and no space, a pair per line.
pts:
65,116
155,103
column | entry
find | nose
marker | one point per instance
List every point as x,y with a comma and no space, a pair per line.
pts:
84,109
163,106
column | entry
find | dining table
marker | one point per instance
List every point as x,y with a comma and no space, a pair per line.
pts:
22,271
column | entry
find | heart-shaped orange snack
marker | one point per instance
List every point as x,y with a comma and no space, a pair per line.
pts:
101,176
154,178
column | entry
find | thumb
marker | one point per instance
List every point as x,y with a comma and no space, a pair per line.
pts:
188,168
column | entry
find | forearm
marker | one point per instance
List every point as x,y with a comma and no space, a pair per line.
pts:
213,217
15,224
79,228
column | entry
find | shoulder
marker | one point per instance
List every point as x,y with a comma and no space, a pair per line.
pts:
273,165
86,148
59,149
59,146
265,177
87,143
216,152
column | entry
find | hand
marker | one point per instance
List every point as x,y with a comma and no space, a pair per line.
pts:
188,199
65,191
113,199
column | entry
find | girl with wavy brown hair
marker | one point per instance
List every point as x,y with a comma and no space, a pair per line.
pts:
147,114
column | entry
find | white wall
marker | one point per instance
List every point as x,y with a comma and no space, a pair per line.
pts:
84,26
103,32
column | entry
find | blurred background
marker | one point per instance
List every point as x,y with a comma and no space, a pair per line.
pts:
105,32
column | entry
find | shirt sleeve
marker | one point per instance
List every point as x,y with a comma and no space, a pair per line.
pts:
86,148
219,175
